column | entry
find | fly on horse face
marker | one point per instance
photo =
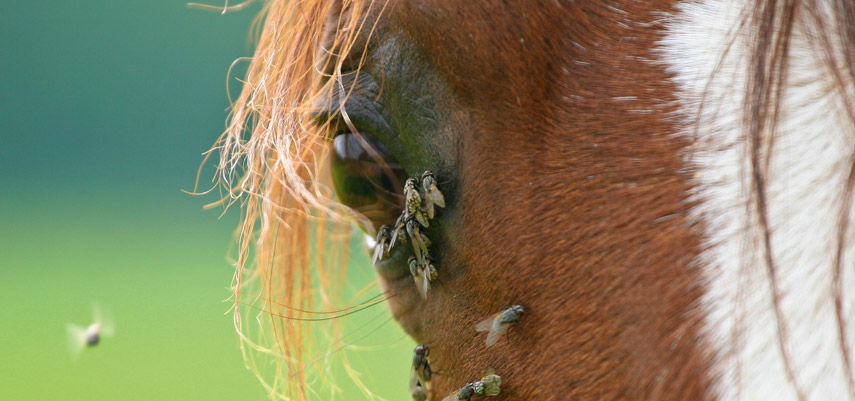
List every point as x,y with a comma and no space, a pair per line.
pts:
666,186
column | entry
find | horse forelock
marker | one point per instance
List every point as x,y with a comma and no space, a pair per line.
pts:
273,163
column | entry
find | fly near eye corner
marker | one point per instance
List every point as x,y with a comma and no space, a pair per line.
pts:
409,228
421,277
433,197
414,202
381,244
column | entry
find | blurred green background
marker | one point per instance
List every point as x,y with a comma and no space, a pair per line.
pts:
106,109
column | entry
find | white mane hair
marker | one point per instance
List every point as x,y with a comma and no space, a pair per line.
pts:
778,258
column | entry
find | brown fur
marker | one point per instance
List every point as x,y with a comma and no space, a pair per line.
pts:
569,194
574,204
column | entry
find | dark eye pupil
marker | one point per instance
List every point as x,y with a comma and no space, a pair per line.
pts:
367,177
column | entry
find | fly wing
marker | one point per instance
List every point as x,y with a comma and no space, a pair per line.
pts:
492,383
429,210
425,283
432,273
420,217
420,368
416,388
414,379
451,397
399,226
420,248
103,318
417,250
422,372
381,249
435,196
378,252
394,238
496,333
486,324
76,340
418,278
492,389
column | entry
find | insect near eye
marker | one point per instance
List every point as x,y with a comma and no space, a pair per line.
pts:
367,177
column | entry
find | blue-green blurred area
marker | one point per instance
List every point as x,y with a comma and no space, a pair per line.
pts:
113,93
107,107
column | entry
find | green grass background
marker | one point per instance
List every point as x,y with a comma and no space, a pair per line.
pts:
106,109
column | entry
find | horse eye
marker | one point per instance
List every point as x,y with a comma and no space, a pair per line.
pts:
367,177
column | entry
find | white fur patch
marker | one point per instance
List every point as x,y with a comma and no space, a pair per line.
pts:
812,154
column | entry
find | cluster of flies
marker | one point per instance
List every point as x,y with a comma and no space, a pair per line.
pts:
489,385
422,199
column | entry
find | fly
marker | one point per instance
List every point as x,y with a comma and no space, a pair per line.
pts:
90,336
433,197
418,241
381,245
430,271
489,385
498,324
420,277
465,393
397,230
421,366
414,201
